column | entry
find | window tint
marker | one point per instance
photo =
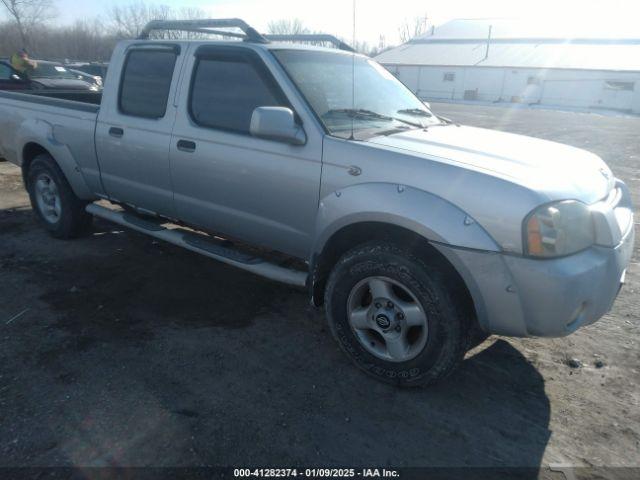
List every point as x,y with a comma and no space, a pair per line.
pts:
94,70
5,72
227,89
145,83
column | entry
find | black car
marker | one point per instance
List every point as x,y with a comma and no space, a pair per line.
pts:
46,76
94,68
55,76
11,79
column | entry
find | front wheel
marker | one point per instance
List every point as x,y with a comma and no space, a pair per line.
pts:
398,317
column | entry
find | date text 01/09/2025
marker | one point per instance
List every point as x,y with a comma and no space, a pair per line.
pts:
314,473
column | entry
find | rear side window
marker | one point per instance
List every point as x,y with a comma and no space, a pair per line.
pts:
146,81
5,72
227,88
92,70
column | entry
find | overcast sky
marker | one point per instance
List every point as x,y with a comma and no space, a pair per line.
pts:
375,17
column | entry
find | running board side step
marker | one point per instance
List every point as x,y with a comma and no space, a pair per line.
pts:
203,245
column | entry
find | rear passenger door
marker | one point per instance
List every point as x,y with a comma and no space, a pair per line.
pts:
260,191
133,133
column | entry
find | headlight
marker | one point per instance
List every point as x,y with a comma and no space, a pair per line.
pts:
558,229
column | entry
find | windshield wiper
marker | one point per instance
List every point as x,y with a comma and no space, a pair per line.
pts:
447,121
416,111
359,112
370,115
391,131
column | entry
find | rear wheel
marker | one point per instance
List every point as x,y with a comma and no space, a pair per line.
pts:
399,318
59,210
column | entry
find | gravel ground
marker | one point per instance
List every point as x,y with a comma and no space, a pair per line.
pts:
119,350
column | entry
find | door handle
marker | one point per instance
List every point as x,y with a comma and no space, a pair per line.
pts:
116,132
186,146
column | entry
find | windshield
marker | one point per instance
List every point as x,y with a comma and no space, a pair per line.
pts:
95,70
375,104
51,70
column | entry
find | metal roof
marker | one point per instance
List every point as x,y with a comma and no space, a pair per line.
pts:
465,43
504,28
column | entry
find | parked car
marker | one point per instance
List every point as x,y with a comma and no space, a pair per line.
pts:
95,69
91,79
419,236
11,79
54,76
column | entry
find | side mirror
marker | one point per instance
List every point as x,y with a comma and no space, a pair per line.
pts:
277,123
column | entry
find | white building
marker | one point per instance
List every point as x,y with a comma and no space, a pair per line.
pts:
492,60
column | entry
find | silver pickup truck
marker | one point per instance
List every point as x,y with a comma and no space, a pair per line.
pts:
316,167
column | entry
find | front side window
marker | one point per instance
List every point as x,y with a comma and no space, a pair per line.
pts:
146,81
227,88
353,96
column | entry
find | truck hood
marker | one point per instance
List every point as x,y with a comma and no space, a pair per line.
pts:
63,83
557,171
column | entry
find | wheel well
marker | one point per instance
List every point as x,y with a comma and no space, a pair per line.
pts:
29,152
353,235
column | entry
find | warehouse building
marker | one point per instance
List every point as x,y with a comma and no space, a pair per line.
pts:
493,60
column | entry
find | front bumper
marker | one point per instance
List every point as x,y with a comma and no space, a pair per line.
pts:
522,297
560,296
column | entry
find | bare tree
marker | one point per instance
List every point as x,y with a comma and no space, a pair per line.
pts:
128,21
412,29
92,39
382,42
188,13
27,13
84,40
287,27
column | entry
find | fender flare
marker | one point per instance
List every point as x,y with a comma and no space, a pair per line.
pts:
42,133
427,215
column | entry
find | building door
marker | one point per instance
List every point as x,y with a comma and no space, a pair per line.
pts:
617,95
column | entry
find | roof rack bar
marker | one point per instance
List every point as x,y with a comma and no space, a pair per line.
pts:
203,26
303,37
222,33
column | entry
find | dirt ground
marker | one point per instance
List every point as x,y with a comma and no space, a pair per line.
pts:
119,350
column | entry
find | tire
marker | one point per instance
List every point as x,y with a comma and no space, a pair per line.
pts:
418,288
477,336
59,210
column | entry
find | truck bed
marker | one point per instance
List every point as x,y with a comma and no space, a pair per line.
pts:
62,123
75,100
